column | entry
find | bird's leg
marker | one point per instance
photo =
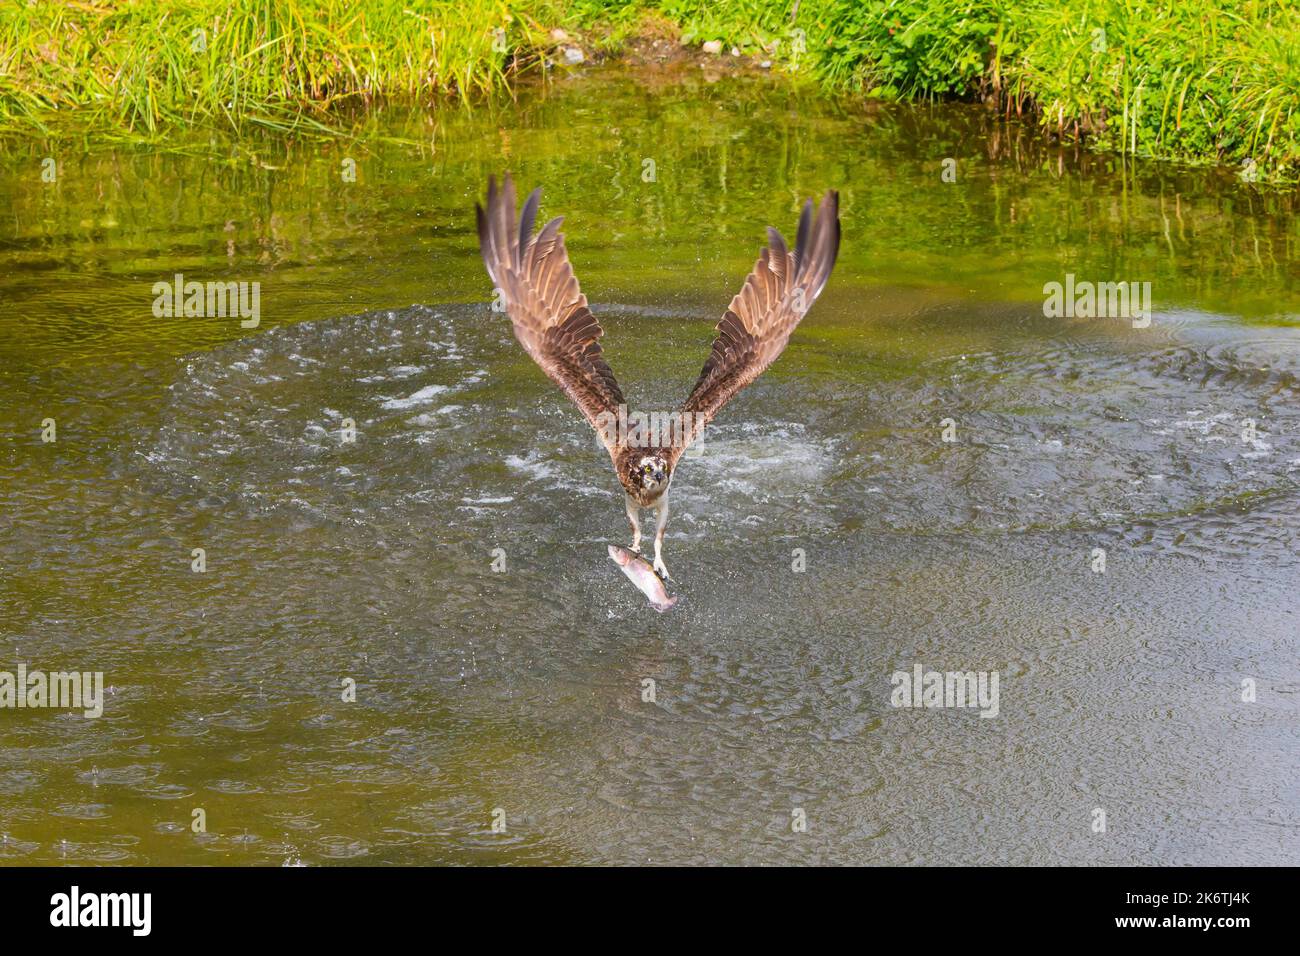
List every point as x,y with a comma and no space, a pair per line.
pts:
633,514
661,522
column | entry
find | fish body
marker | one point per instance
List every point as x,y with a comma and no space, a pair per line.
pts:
640,573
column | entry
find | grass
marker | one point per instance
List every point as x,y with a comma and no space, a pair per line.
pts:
1199,80
146,64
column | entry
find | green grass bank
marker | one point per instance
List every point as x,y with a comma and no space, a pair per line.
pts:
1196,80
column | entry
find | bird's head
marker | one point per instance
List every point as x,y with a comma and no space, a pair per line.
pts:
651,473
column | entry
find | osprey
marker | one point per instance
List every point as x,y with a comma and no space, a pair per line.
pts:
553,324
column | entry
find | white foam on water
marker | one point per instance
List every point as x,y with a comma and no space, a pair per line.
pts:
530,466
776,461
421,397
432,418
395,374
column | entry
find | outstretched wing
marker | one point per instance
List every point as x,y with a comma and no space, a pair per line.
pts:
547,309
778,293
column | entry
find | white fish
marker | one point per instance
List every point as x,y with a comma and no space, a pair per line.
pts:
640,573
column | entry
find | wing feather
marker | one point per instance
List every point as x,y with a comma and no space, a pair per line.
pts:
758,324
547,309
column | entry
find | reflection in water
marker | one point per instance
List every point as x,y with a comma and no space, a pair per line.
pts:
1176,449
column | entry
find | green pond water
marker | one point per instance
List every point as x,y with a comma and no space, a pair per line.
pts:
518,694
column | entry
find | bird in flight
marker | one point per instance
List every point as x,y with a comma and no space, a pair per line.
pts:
552,322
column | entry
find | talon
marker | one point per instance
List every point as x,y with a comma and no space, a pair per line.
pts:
662,570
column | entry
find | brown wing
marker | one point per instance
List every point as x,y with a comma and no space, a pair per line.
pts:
757,326
547,309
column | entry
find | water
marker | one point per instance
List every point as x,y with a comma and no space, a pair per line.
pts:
523,690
